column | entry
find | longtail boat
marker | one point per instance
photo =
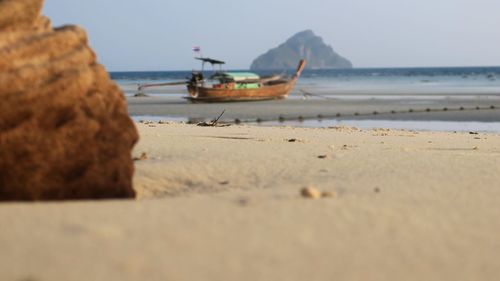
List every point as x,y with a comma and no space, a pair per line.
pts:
225,86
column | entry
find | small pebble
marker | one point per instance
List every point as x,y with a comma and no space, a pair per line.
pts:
292,140
243,201
475,148
310,192
376,190
322,156
143,156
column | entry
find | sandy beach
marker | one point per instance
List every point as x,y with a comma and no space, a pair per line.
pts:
224,203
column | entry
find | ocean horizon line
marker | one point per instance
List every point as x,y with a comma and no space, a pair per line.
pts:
321,69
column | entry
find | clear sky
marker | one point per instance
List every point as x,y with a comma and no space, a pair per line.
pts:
160,34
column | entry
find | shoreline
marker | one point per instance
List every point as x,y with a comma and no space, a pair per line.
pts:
448,109
366,124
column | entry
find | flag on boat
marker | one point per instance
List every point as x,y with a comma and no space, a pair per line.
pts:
196,49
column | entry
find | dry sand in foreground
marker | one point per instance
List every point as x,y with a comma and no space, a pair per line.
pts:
224,204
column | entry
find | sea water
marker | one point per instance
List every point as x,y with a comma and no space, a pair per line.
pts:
350,83
418,84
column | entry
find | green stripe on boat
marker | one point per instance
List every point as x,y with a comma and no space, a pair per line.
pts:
239,76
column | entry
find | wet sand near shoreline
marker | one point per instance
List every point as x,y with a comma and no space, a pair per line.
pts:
480,108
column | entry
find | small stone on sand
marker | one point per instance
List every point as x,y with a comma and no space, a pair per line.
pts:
140,95
310,192
143,156
243,201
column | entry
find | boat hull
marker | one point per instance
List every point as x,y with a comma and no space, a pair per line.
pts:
266,92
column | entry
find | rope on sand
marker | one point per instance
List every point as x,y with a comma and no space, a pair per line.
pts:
338,115
301,118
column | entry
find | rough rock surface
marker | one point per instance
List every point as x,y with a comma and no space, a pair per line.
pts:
64,128
19,14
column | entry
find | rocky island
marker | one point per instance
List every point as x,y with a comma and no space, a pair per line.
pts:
303,45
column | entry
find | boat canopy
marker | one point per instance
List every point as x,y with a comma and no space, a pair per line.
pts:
241,76
212,61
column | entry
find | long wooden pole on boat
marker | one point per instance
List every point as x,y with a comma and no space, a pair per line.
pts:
143,86
300,68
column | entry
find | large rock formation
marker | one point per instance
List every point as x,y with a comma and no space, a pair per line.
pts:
303,45
64,128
